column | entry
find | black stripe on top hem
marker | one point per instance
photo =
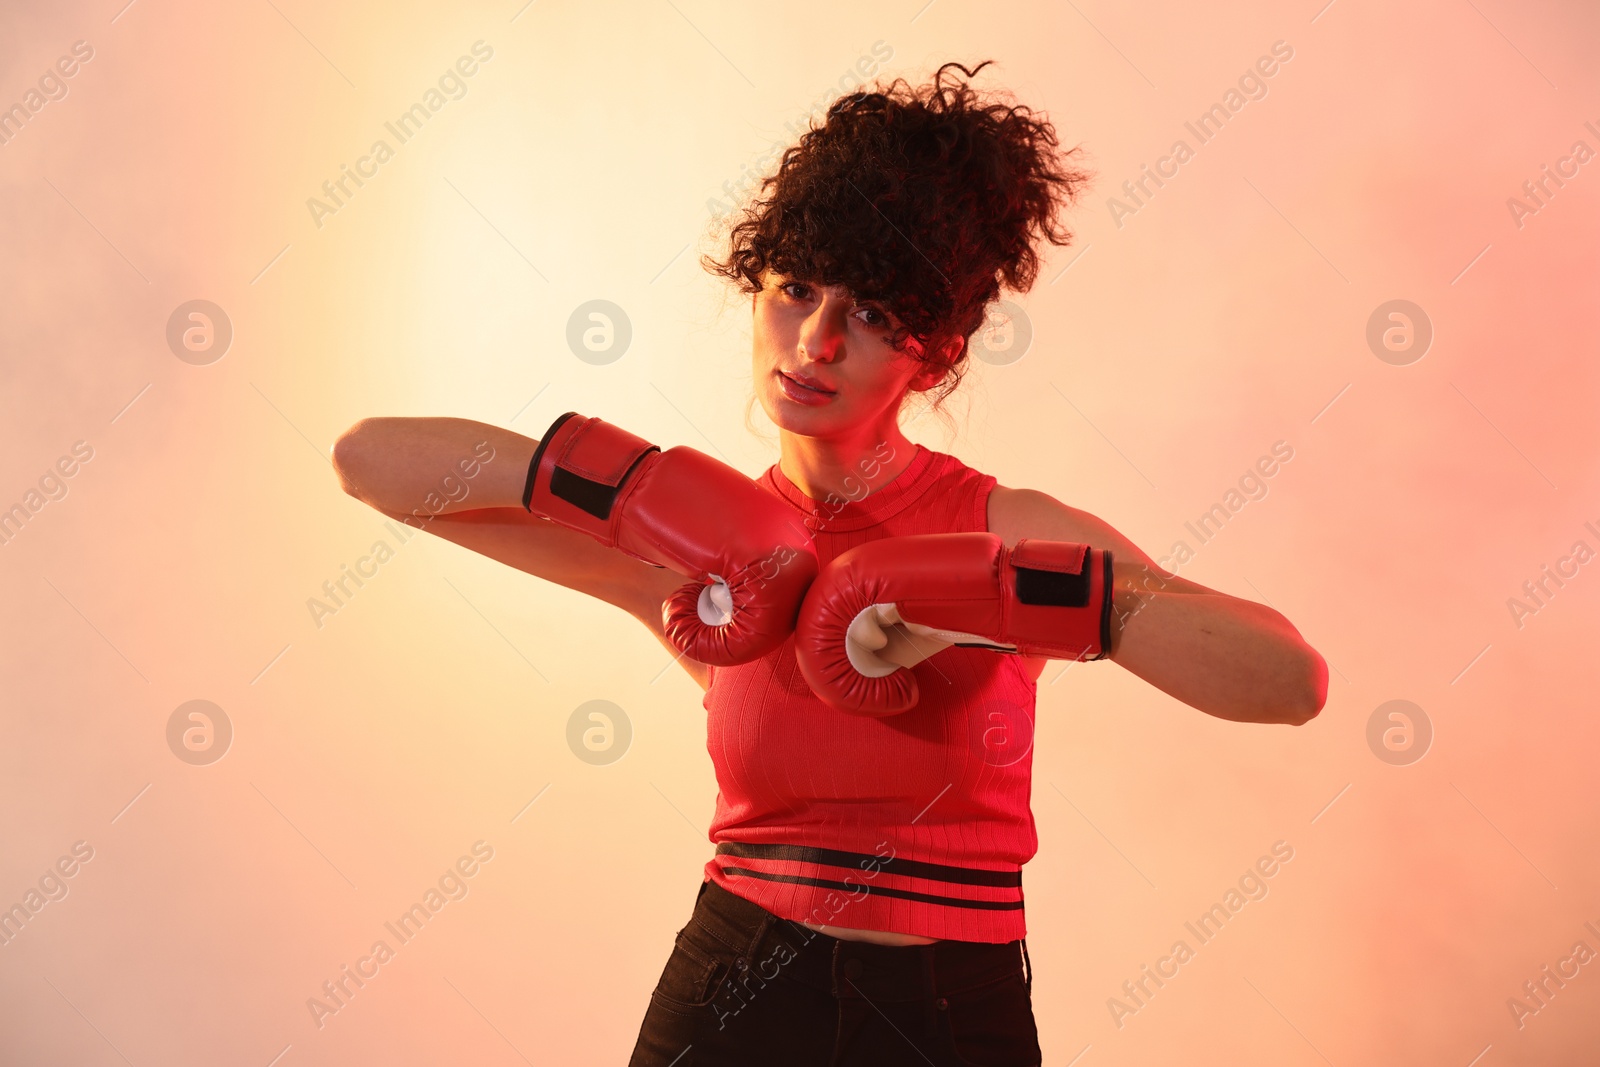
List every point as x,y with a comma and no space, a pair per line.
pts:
831,857
885,891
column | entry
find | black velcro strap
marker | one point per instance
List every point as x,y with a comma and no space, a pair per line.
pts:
593,497
1052,588
587,494
538,453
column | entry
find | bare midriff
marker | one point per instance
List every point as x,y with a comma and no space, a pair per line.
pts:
877,937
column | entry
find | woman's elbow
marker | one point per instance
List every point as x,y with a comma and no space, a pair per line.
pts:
1311,696
1290,701
348,454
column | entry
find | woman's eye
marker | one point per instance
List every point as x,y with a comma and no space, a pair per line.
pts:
787,286
876,317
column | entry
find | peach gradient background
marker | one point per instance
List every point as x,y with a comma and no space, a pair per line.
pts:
370,753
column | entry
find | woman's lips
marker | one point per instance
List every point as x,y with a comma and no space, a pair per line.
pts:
801,393
809,383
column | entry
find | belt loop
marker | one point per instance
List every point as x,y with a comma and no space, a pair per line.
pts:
1027,967
758,934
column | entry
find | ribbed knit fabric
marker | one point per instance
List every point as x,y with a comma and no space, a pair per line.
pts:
917,823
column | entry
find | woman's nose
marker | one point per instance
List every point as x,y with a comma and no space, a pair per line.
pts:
821,336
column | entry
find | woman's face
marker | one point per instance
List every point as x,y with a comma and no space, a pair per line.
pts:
823,334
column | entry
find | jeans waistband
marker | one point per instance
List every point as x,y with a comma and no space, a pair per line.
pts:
767,946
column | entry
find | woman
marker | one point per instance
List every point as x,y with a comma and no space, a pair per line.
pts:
864,904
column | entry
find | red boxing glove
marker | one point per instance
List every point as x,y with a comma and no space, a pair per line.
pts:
749,557
1039,598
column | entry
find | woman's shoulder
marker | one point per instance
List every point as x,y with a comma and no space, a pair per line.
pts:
957,488
946,466
1016,512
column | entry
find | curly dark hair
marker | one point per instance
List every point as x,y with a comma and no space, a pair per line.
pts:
925,201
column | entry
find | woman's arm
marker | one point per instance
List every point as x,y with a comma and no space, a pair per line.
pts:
463,481
438,466
1228,657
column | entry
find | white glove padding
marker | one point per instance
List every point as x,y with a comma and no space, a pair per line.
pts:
912,642
715,605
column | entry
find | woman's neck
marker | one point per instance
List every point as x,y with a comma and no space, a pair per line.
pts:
852,467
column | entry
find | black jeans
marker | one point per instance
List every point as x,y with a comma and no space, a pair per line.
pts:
743,986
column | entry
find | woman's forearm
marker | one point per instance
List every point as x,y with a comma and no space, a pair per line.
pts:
1228,657
432,466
